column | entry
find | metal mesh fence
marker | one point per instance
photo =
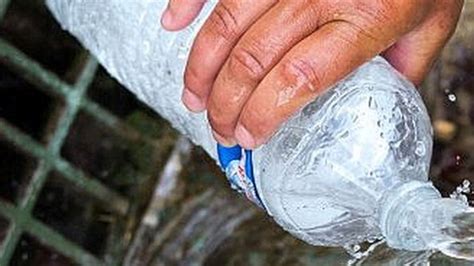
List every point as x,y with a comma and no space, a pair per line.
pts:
18,216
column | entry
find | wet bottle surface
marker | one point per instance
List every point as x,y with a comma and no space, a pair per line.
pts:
343,152
351,166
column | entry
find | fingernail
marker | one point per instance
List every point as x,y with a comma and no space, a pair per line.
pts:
222,140
244,137
192,101
167,18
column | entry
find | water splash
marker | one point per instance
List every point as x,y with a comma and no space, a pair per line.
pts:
359,253
452,97
461,229
461,192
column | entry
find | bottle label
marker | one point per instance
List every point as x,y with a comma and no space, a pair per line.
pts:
238,167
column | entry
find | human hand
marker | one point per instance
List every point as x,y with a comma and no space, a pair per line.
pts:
255,63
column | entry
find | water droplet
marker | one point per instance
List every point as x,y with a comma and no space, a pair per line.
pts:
466,183
466,186
372,103
355,118
345,134
452,97
460,192
420,148
458,159
356,248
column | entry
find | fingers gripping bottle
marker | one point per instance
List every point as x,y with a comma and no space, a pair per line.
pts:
350,166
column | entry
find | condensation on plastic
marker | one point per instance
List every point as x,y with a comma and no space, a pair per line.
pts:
364,136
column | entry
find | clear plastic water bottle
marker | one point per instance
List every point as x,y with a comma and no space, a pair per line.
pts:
351,166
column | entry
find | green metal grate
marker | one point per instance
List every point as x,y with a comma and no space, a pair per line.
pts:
20,216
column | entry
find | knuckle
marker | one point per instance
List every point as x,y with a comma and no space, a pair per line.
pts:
352,33
223,22
247,62
400,16
368,20
377,11
304,74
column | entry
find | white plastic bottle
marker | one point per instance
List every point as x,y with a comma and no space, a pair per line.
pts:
351,166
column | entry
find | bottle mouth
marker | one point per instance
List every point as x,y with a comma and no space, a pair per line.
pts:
396,216
399,195
415,217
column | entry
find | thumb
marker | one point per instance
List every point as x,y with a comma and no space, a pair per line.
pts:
180,13
414,53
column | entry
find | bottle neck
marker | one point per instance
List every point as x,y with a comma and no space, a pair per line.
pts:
413,216
402,210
